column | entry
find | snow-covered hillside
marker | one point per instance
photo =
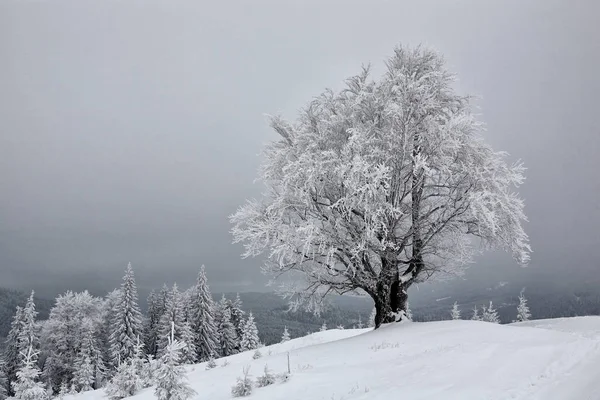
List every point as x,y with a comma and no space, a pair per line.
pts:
451,360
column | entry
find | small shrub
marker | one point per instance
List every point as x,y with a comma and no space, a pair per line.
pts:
283,377
211,363
257,354
225,363
243,386
267,379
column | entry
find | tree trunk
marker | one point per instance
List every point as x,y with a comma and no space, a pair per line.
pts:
390,302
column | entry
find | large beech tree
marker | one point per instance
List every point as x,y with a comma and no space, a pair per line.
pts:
382,185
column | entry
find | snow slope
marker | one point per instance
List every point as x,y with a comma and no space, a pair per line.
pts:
451,360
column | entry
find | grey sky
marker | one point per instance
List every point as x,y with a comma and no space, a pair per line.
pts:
129,130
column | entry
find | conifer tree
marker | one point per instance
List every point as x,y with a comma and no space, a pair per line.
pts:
174,314
475,316
89,366
455,312
359,325
12,356
250,340
127,321
126,381
408,312
523,313
490,314
228,341
3,381
150,323
170,376
28,337
202,318
372,318
286,335
323,327
237,317
27,385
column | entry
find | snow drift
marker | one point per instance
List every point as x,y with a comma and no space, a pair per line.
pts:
451,360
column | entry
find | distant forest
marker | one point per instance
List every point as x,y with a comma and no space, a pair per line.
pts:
271,315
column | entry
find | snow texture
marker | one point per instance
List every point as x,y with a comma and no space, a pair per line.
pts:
450,360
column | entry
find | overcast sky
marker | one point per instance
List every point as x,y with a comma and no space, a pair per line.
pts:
131,129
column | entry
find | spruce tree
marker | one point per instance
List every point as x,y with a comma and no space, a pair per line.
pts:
170,376
127,321
237,317
228,341
359,325
286,335
150,323
12,355
475,316
523,313
175,314
490,314
324,327
89,365
455,312
202,318
3,381
28,337
372,318
250,340
27,385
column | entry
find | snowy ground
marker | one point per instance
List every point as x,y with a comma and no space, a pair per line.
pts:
555,359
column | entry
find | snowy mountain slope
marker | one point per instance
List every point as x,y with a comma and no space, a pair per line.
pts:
453,360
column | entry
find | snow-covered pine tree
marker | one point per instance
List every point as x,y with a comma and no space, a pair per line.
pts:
237,317
359,324
490,314
175,314
12,356
267,379
244,385
228,341
202,318
523,313
151,322
27,385
372,318
323,327
108,312
455,312
89,366
28,337
169,375
3,380
250,340
126,381
285,336
127,321
475,316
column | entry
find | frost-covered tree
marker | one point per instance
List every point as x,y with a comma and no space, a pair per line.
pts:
323,327
3,380
285,336
490,314
170,375
12,355
126,381
455,312
244,385
228,340
250,340
127,321
151,321
202,318
408,312
523,313
359,324
475,316
28,336
237,316
175,315
380,186
372,318
27,386
72,339
267,379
